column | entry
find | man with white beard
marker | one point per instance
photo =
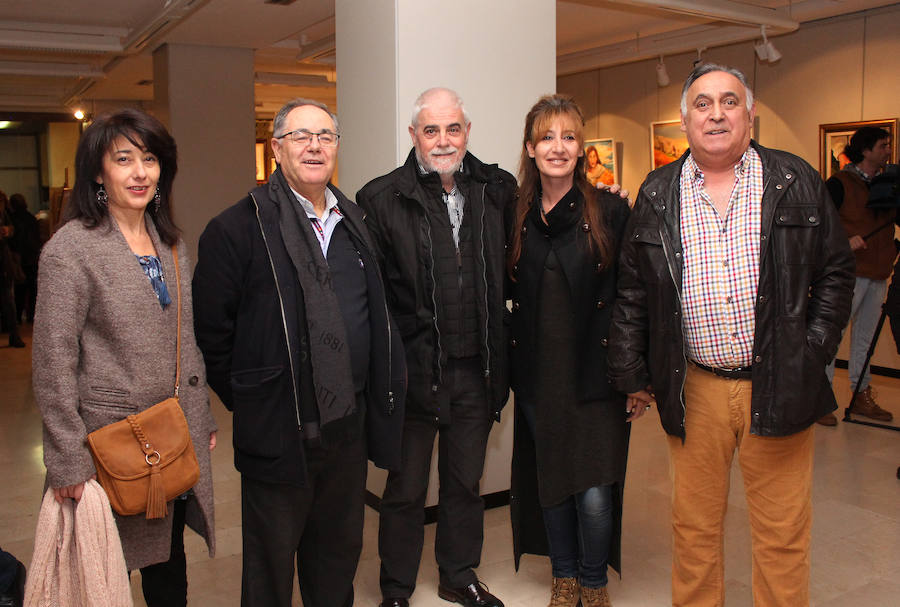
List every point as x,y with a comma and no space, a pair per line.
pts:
437,225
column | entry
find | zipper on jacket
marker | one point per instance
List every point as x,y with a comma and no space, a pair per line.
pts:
434,320
459,289
390,362
287,340
667,251
487,309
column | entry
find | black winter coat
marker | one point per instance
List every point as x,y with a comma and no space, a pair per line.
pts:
586,441
398,222
593,293
806,283
250,323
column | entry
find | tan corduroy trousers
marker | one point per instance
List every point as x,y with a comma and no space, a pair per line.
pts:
777,473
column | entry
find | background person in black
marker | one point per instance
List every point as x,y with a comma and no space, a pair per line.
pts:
871,233
9,269
26,241
571,435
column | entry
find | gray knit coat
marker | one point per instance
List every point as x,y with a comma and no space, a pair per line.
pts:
104,348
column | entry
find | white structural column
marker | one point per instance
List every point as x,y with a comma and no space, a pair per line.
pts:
500,56
204,95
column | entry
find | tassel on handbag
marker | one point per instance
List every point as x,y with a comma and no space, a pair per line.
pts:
147,459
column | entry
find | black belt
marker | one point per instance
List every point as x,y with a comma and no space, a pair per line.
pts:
735,373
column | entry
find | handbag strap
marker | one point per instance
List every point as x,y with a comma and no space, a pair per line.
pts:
178,311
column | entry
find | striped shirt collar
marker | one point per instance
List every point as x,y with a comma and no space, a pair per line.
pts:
331,203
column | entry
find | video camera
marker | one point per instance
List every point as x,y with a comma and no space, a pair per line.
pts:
884,191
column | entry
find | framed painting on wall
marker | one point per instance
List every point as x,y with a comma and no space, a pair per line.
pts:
600,161
833,137
667,142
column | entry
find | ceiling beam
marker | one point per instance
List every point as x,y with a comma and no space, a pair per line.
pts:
58,36
53,69
312,80
721,10
668,43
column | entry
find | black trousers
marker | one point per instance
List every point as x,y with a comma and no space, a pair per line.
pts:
25,295
460,523
8,308
165,584
320,526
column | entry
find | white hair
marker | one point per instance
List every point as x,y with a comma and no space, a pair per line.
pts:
422,102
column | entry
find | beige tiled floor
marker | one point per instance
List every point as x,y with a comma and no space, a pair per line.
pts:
856,534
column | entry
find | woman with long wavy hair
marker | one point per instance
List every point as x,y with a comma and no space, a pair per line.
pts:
571,427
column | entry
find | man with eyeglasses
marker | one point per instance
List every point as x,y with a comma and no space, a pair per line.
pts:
437,224
290,314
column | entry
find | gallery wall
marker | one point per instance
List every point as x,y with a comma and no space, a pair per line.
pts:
835,70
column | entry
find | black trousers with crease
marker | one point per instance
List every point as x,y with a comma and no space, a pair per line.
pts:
460,524
319,526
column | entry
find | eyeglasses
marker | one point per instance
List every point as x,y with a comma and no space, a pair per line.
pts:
327,139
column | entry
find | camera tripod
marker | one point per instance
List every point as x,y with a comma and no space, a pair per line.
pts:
878,327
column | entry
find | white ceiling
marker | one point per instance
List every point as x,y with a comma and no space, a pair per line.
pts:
56,54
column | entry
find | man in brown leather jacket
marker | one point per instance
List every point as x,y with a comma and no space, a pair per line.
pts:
735,280
871,233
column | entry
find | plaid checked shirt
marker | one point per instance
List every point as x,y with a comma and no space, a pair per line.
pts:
721,265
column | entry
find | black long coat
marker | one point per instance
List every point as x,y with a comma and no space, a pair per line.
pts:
590,458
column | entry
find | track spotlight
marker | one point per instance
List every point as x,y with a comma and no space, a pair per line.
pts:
79,115
765,50
699,58
662,75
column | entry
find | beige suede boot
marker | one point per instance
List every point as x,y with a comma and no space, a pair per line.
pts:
565,592
595,597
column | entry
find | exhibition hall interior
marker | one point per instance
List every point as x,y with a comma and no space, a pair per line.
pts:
215,72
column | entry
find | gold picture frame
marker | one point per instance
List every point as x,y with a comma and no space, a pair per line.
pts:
833,136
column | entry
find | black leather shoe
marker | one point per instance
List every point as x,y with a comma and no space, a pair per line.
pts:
399,602
473,595
16,342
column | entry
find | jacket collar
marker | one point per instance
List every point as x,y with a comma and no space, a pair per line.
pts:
277,192
566,213
663,192
413,184
663,188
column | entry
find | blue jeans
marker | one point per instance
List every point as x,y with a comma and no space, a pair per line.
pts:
578,530
868,295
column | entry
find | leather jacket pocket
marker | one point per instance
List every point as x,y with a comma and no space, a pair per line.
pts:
795,234
257,410
652,259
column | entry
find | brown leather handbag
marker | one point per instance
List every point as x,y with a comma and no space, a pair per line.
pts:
147,459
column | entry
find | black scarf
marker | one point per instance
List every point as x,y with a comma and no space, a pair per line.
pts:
329,351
